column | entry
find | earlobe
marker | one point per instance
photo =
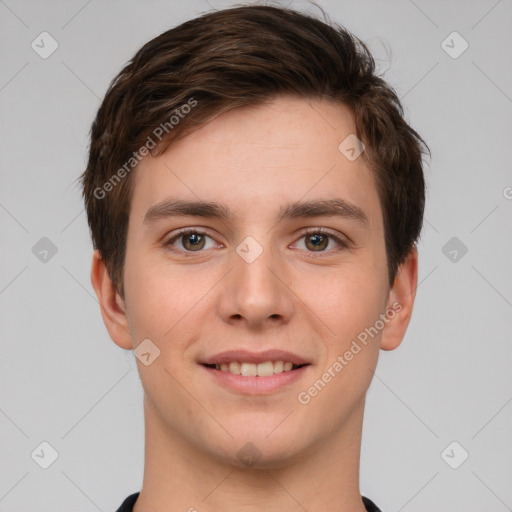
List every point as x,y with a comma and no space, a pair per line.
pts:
113,309
401,302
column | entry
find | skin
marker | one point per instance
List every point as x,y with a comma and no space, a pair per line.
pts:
292,297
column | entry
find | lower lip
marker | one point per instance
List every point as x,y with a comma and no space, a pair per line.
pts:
256,385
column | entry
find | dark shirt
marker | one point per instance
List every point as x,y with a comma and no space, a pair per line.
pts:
128,503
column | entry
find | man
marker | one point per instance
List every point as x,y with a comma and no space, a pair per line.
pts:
254,197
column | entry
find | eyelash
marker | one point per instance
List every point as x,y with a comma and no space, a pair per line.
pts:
311,231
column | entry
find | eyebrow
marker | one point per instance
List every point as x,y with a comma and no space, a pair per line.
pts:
318,208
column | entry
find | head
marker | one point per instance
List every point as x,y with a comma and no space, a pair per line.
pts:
247,109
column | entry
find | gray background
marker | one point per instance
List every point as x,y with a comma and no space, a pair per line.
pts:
63,381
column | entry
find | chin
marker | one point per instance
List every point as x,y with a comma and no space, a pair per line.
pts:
264,448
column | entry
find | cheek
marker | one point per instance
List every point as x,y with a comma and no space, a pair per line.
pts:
166,305
345,299
158,309
156,300
350,306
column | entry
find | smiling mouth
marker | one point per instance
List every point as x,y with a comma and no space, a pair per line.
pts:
265,369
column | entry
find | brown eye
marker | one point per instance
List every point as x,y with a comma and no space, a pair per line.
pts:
191,240
318,241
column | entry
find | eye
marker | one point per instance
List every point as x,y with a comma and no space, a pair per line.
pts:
192,240
317,239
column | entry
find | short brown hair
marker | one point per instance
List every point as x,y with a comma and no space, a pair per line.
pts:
245,56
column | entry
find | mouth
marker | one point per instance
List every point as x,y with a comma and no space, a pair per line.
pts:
255,373
265,369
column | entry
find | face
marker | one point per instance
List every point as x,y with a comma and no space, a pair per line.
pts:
267,286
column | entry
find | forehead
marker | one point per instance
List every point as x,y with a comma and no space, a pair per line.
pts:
258,158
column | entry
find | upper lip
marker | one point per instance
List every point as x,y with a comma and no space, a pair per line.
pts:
243,356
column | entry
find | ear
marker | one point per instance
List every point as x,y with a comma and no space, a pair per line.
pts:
113,309
400,302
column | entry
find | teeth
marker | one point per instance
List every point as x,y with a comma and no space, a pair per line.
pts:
265,369
233,368
249,370
252,370
278,366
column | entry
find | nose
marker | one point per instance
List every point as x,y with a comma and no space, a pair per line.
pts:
256,290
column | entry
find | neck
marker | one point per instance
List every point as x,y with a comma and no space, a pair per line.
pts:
178,477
